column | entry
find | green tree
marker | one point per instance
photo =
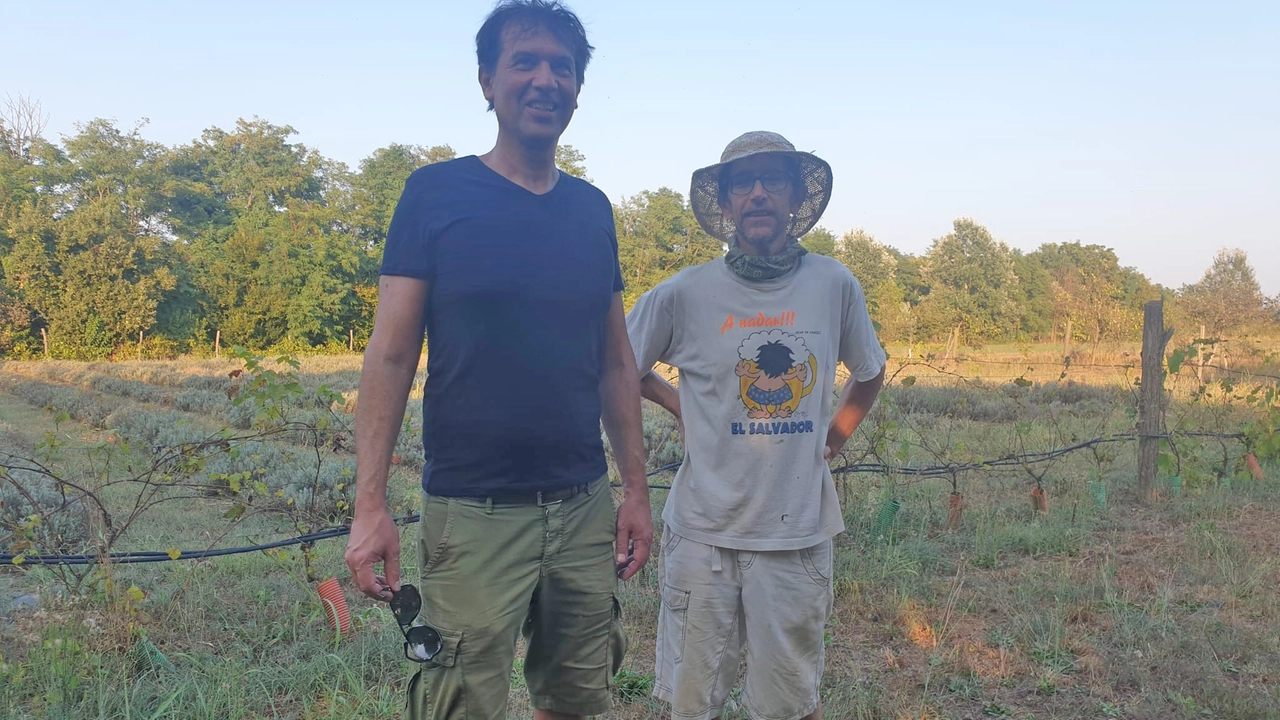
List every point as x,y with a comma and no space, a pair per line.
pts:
95,270
1035,296
973,285
876,269
28,165
276,258
1228,298
657,237
1088,290
571,161
820,241
910,276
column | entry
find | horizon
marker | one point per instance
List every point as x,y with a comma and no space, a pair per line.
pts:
1138,128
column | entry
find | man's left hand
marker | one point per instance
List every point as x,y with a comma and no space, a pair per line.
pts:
635,534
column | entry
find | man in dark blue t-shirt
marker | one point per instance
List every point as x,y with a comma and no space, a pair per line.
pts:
511,267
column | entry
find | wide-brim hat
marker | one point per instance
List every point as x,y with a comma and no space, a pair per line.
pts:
815,174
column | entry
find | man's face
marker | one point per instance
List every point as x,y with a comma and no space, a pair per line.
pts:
761,214
533,87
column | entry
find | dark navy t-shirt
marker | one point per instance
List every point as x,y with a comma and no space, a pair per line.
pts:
520,286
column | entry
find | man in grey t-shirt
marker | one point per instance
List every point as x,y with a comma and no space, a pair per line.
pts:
746,548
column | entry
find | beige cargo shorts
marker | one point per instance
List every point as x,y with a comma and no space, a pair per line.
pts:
715,601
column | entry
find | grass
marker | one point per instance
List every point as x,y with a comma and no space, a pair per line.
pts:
1121,610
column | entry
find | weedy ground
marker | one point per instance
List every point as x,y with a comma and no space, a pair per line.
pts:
1102,607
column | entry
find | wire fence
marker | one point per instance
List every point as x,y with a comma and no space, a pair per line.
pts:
946,470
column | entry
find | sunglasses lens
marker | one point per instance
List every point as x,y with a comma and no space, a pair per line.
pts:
406,604
424,642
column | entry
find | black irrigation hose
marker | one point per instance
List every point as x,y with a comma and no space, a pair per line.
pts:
127,558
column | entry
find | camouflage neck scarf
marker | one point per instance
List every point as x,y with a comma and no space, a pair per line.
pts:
754,267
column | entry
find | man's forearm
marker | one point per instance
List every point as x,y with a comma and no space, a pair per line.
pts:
384,391
855,403
655,389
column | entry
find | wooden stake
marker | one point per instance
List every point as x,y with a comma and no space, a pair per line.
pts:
1155,336
1200,351
139,345
217,344
1066,340
45,337
351,339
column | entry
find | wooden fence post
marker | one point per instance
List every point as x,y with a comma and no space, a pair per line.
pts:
139,345
217,344
1200,353
1155,336
45,337
1066,340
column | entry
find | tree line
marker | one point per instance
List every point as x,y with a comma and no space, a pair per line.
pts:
113,245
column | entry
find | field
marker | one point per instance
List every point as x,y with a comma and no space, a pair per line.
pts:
1101,606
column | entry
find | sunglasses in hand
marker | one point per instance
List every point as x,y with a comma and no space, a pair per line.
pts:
421,642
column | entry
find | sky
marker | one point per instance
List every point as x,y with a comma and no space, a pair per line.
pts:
1147,127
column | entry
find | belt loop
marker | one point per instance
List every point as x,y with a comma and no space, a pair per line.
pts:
715,559
488,506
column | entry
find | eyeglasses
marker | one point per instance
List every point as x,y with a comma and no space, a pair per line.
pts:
773,182
421,642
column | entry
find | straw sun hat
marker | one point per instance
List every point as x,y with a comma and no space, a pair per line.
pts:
815,174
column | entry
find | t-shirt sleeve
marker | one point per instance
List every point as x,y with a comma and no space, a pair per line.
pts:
650,327
860,349
409,236
618,285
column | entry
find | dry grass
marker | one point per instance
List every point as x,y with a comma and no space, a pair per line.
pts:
1167,611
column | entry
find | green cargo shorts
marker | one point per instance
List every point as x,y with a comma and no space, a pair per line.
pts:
492,572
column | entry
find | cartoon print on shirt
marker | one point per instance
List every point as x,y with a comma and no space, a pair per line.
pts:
776,371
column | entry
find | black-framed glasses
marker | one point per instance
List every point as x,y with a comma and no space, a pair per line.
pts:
421,641
773,182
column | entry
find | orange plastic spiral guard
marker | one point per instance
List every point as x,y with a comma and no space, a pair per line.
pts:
335,605
1252,461
1040,501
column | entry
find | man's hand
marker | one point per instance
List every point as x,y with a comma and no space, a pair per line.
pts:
635,534
375,538
854,405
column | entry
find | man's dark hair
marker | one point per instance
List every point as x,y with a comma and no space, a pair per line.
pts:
559,20
774,358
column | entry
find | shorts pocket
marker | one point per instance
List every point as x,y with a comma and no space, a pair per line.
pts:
437,678
437,525
817,562
675,613
670,541
448,655
617,641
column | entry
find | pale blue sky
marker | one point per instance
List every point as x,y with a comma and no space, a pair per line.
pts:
1150,127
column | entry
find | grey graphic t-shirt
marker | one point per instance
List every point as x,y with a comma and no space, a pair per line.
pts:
757,362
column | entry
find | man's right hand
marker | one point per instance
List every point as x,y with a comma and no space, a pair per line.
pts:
374,538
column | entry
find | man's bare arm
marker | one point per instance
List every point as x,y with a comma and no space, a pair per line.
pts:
856,401
620,414
657,390
390,362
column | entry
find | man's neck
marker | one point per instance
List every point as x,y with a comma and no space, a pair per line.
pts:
773,248
532,168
